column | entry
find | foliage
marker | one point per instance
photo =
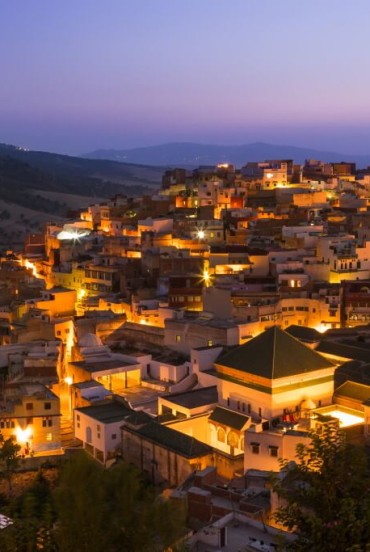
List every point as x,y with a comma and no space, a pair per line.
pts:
111,510
91,509
33,518
326,497
9,456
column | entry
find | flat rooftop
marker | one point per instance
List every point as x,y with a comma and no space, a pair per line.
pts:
100,366
195,398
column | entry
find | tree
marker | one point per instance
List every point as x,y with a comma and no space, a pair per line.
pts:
9,456
114,509
326,495
32,518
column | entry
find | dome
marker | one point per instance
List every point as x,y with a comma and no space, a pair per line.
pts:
90,340
307,404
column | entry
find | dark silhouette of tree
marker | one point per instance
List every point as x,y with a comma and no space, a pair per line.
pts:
9,457
326,495
33,518
113,510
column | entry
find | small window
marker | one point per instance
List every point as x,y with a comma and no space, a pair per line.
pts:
49,436
274,451
255,448
47,406
29,406
210,342
98,427
178,338
78,417
260,412
228,401
114,436
29,421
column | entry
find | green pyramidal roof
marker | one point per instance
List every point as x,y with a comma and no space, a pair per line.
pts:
274,354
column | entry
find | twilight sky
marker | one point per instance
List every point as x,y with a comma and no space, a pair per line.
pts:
77,75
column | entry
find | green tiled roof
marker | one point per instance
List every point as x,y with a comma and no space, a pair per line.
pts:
303,333
353,390
274,354
173,440
106,412
228,418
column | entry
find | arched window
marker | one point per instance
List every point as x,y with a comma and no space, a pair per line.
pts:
88,435
233,439
221,435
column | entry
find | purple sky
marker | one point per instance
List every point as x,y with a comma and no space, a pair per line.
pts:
77,75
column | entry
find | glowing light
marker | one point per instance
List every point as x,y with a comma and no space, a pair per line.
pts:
321,328
344,418
81,293
68,380
269,175
23,435
74,235
206,278
223,166
31,266
201,234
142,321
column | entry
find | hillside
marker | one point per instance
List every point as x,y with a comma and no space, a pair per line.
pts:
65,173
191,154
38,186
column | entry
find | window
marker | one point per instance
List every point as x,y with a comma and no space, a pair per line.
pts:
114,436
238,405
260,412
49,436
210,343
47,406
78,417
228,401
29,406
178,338
29,420
233,439
255,448
273,451
47,422
249,408
221,435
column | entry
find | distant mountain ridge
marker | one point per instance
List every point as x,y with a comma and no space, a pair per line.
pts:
84,176
194,154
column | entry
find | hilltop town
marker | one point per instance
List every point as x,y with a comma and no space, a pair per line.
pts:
200,333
